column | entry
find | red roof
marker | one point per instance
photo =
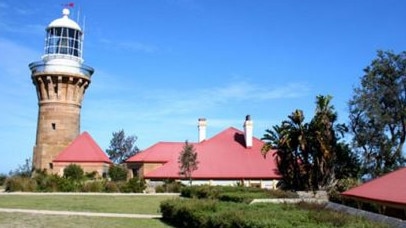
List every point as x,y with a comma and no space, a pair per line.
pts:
82,149
223,156
388,189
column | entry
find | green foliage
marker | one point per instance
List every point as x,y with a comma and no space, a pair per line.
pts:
92,175
47,182
233,194
118,173
121,147
111,186
73,172
3,178
20,184
133,185
93,186
210,213
378,114
188,161
73,182
343,185
169,186
310,154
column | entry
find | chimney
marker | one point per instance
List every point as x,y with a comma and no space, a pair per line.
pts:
202,129
248,129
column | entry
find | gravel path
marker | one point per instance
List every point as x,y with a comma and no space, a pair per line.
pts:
94,214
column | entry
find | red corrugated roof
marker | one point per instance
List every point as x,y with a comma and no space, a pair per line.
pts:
82,149
390,188
223,156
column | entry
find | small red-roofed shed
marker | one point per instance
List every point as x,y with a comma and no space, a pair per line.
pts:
225,158
388,191
85,152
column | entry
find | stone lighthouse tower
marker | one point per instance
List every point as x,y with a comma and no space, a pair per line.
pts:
60,79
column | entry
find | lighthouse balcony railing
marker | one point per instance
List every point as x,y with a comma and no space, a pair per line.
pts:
42,67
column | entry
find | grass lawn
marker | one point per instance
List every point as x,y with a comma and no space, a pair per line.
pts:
36,221
143,204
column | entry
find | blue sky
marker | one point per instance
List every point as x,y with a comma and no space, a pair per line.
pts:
162,64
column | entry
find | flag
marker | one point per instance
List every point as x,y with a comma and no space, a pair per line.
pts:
69,5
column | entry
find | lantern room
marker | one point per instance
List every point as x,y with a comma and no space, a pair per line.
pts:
63,39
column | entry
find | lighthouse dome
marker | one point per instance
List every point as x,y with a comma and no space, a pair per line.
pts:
64,22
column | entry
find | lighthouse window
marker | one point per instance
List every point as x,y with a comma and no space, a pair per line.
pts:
65,41
53,126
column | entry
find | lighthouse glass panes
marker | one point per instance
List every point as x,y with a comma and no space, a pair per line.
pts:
65,41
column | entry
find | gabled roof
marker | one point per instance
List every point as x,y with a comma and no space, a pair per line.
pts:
389,189
224,156
82,149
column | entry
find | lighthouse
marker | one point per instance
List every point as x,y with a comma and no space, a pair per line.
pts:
60,79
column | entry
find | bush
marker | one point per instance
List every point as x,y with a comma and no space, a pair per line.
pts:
233,194
47,182
111,186
92,175
212,213
3,178
342,186
169,186
200,192
118,173
20,184
73,172
133,185
68,185
93,186
187,213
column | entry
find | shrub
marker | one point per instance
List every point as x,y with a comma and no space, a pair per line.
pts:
200,192
212,213
133,185
169,186
47,182
20,184
118,173
342,186
74,172
93,186
187,213
233,194
68,185
111,186
3,178
92,175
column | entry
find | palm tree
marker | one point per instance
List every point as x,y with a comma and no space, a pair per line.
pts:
324,141
290,143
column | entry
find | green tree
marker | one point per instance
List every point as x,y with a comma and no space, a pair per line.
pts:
118,173
73,172
291,150
308,154
378,114
121,147
188,161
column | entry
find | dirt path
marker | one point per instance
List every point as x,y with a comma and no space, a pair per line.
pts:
94,214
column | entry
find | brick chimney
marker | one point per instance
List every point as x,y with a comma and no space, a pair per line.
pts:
202,123
248,131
